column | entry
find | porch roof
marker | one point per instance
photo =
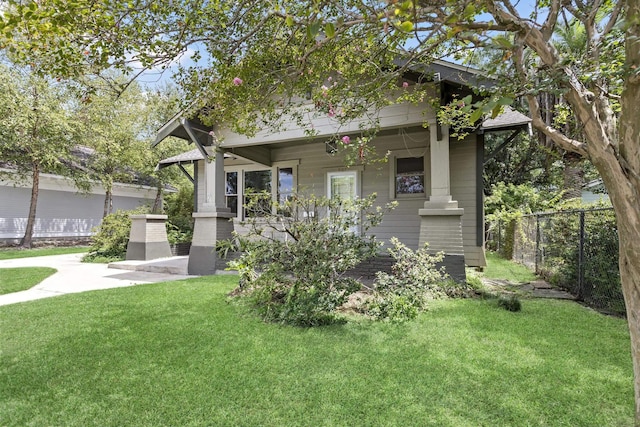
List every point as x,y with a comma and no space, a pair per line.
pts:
510,119
182,158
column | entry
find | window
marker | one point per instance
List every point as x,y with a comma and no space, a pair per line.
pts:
231,192
285,184
259,189
342,184
257,193
409,176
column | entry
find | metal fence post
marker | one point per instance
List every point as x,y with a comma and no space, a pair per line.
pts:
537,255
581,258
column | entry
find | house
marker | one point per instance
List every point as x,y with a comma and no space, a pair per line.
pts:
63,213
436,180
594,192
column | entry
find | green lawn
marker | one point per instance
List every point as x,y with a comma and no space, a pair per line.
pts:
28,253
179,354
22,278
500,268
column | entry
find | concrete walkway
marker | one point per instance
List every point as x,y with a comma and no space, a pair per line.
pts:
75,276
535,289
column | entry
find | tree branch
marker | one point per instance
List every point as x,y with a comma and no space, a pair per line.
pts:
550,23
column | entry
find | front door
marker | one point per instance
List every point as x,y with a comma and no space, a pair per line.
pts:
343,185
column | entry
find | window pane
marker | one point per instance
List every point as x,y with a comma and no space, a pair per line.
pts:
343,186
257,205
285,184
232,183
410,175
257,181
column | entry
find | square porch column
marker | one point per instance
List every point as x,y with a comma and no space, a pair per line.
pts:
441,218
212,221
148,238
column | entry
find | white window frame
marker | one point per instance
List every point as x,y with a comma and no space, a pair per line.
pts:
241,169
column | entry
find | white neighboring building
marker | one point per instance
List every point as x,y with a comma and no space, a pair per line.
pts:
594,192
62,212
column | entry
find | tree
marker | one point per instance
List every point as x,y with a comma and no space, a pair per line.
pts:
343,54
35,132
109,122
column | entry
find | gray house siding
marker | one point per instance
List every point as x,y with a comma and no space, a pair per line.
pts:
62,213
404,222
464,190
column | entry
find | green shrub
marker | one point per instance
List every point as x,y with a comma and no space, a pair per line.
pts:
293,267
509,303
109,243
177,235
179,210
414,280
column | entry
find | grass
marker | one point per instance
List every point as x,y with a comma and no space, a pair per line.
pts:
500,268
28,253
179,353
22,278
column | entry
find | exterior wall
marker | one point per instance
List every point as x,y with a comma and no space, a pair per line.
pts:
464,190
62,212
404,221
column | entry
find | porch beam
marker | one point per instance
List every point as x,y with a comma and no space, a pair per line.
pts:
261,155
196,137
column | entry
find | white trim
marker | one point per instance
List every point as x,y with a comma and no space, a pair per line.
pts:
65,184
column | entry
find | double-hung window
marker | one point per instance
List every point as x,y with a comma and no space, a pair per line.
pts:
257,193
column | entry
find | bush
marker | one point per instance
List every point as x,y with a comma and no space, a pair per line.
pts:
179,210
293,265
109,243
510,303
414,280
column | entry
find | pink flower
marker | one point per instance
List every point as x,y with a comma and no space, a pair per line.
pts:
332,112
237,81
329,78
405,84
346,140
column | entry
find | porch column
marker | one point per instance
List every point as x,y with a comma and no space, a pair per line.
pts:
441,218
148,238
212,221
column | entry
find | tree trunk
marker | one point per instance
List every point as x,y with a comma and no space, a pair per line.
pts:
108,202
628,211
26,241
630,277
573,177
157,203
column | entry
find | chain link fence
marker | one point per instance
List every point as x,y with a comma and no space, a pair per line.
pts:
576,250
